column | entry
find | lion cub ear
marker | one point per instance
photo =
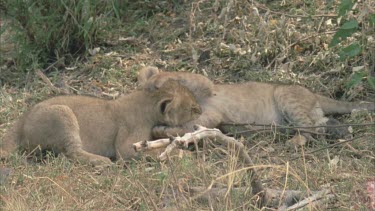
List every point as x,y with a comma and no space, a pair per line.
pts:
164,105
146,73
168,88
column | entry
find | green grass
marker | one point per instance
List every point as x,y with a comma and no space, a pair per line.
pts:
45,31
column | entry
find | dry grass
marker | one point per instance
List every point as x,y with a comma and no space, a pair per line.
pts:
229,42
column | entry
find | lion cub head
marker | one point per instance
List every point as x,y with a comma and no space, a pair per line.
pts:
151,78
177,105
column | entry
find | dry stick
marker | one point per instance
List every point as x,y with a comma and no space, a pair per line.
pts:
55,183
312,200
202,132
49,83
288,199
338,143
169,143
150,145
273,129
255,183
160,143
300,128
309,37
263,7
333,145
292,195
285,183
147,194
268,196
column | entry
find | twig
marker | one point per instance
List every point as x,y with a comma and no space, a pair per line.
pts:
148,195
309,37
183,142
49,83
202,133
53,64
332,145
268,197
336,144
299,127
275,196
313,200
150,145
272,127
284,52
55,183
263,7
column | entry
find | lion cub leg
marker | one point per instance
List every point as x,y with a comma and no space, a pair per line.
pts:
123,144
56,127
299,106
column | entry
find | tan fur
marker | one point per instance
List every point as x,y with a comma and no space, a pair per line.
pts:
254,102
201,86
93,130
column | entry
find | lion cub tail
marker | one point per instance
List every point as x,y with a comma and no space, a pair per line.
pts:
9,143
331,106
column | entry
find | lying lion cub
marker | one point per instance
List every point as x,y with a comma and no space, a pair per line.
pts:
92,130
251,102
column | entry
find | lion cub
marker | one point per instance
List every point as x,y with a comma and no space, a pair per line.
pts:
249,103
92,130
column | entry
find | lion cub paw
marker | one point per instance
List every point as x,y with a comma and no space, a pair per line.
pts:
101,162
296,142
159,132
96,161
